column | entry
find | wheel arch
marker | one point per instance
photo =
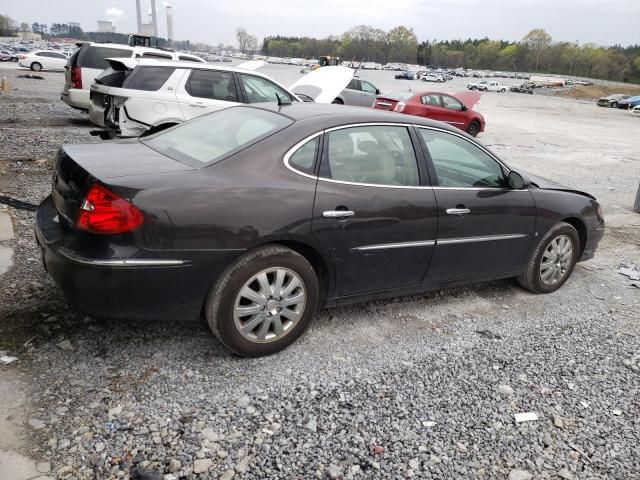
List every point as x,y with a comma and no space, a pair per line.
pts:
581,228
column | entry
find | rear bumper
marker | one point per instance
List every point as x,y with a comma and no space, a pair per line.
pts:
76,98
127,282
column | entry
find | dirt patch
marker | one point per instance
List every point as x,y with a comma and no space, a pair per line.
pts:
598,91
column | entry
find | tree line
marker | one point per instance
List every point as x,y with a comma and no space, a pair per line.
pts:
536,52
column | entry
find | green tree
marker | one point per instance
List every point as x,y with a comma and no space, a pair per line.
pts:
537,40
402,43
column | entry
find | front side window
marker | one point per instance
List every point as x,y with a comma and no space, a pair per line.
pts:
451,103
212,137
303,158
212,84
461,164
148,79
376,154
368,88
259,89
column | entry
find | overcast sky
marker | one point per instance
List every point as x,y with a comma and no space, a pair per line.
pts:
212,21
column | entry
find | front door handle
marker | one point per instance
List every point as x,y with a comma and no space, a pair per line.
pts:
458,211
338,213
201,105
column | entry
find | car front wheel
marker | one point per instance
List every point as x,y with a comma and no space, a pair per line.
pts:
474,128
552,261
263,302
36,67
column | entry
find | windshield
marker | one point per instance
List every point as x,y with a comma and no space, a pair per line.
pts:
210,138
401,95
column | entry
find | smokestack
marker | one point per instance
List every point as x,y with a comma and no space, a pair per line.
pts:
139,15
154,18
169,23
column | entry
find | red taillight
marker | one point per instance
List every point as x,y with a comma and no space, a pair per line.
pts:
76,77
104,212
399,107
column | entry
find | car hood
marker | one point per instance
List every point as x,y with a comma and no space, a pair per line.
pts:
545,184
323,84
468,98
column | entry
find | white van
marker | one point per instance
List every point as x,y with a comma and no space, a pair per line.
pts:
89,60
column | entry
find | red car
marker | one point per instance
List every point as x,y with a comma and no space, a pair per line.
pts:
455,109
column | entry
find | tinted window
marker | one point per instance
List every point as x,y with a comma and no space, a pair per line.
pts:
353,85
157,55
380,155
303,158
213,137
188,59
112,78
148,78
212,84
95,57
257,89
459,163
451,103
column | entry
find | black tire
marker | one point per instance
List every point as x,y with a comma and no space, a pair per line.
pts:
474,128
36,67
221,299
530,279
338,101
474,88
14,60
614,105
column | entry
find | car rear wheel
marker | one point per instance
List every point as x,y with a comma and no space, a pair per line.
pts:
36,67
263,302
473,128
614,105
338,101
552,261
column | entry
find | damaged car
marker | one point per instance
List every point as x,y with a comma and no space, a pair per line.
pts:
456,110
611,100
255,216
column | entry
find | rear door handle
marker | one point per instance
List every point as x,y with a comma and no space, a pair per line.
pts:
458,211
338,213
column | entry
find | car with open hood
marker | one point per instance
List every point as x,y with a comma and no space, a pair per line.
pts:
456,110
255,216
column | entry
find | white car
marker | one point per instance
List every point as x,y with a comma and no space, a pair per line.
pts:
90,59
43,60
141,97
494,86
433,78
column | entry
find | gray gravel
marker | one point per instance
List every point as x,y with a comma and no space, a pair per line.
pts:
423,387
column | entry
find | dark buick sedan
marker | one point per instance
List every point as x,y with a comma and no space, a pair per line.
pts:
257,216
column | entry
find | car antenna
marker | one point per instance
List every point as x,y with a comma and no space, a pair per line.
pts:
283,101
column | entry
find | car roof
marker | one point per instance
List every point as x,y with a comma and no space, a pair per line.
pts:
331,115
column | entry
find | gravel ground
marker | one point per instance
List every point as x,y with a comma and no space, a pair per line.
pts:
425,387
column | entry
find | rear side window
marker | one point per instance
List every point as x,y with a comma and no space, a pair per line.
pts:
257,89
157,55
112,78
148,79
95,57
303,158
212,84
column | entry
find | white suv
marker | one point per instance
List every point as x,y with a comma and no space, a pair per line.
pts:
89,59
136,97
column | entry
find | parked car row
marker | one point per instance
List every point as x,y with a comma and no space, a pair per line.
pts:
488,86
618,100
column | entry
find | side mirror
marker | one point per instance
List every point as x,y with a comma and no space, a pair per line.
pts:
518,181
377,91
464,108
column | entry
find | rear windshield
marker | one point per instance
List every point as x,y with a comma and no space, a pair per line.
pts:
95,57
210,138
149,79
112,78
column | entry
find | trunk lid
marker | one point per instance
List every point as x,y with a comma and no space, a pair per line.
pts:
323,84
385,103
79,166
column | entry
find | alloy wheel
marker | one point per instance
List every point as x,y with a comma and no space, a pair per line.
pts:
556,260
269,305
